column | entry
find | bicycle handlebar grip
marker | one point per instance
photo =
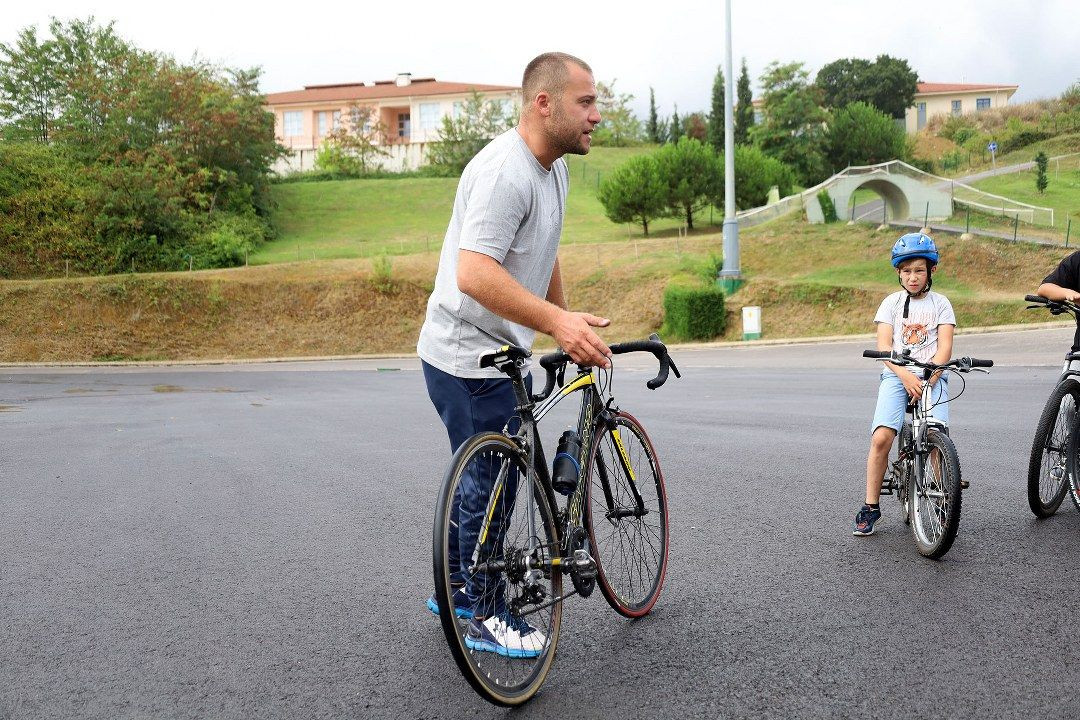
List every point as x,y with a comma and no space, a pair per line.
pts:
981,363
1036,299
661,377
877,354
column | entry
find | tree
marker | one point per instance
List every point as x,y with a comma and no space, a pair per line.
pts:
691,172
744,110
696,125
654,128
619,126
793,126
859,134
888,83
634,192
29,88
355,142
467,132
675,129
716,113
1040,172
755,174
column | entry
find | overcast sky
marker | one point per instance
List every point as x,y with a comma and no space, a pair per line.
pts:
673,47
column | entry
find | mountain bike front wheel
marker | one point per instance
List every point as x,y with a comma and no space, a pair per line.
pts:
627,516
1048,469
497,595
935,496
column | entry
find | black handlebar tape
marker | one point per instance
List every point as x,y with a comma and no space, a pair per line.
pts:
981,363
877,354
1036,299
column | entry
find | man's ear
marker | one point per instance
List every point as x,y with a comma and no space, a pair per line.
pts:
542,103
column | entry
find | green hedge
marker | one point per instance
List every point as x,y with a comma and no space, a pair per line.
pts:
694,313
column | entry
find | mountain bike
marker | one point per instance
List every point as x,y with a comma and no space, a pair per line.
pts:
925,477
1050,474
612,532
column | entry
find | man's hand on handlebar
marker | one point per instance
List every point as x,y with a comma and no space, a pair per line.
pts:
573,331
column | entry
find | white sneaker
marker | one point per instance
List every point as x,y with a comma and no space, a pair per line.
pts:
505,635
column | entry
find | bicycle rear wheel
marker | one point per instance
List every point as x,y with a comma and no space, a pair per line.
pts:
1048,470
505,576
935,497
627,516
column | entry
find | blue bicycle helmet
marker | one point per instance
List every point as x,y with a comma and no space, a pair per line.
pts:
914,245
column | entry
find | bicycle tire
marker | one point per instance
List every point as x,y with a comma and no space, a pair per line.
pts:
903,485
934,519
631,585
1048,452
502,680
1072,454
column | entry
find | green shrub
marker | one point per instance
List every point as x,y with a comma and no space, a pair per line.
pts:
693,313
1016,137
227,241
635,192
382,275
755,174
957,128
828,207
860,134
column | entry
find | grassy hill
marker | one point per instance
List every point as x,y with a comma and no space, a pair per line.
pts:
362,218
809,280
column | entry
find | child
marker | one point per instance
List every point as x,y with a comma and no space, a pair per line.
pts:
922,322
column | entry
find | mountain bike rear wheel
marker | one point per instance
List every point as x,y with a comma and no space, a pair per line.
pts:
935,497
627,516
505,576
1049,477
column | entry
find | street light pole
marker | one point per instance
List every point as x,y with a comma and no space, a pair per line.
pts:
730,275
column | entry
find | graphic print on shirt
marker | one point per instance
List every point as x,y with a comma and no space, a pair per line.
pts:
914,335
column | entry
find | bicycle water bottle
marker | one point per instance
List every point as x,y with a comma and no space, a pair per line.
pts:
566,470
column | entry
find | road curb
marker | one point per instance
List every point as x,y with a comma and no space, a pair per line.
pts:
812,340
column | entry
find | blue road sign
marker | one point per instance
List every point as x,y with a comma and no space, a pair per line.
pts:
992,147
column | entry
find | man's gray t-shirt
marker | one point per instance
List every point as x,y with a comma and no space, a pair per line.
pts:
509,208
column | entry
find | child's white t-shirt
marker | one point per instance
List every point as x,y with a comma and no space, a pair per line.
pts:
919,331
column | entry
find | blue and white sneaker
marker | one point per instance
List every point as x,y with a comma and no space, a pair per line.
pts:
864,520
462,605
506,635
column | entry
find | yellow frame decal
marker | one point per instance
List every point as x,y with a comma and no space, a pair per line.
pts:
580,382
622,452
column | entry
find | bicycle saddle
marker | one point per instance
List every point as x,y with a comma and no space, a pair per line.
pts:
505,354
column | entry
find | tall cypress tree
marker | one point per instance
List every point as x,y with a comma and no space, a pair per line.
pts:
653,126
744,112
715,132
675,130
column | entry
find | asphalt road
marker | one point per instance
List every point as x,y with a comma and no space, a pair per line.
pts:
254,541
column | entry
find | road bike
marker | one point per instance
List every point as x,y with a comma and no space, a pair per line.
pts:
611,533
925,476
1050,474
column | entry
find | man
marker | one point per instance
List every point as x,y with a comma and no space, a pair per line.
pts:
499,282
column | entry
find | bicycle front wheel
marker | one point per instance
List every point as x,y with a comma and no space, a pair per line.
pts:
498,598
935,497
1048,472
627,516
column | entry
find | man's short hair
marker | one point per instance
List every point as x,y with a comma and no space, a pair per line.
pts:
548,72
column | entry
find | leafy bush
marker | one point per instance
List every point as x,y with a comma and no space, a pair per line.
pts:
382,275
46,213
227,240
828,207
1017,136
694,313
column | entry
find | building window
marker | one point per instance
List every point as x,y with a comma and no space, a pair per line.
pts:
429,116
403,125
292,123
759,116
459,108
982,103
956,107
327,121
505,106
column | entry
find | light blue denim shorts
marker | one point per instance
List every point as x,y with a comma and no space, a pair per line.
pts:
892,400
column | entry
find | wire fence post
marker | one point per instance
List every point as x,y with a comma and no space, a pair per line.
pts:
1016,225
1068,229
926,216
967,227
